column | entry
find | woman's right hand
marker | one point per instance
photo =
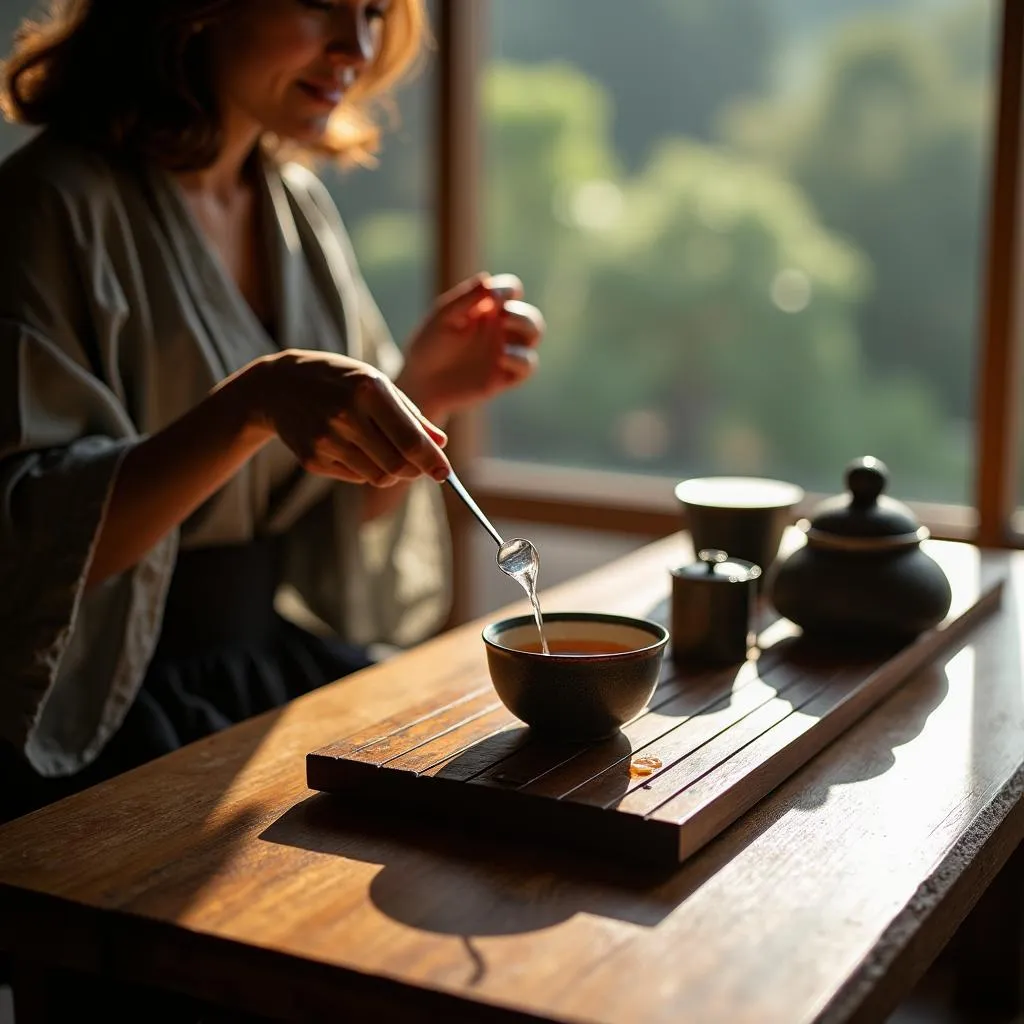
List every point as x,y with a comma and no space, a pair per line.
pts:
343,418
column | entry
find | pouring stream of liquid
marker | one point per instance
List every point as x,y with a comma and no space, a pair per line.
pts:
517,558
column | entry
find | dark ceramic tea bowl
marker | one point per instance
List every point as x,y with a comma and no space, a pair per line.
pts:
600,673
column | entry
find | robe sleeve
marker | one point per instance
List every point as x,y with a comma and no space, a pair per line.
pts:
71,661
389,580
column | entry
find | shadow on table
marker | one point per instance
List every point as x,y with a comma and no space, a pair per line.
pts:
460,882
930,687
902,715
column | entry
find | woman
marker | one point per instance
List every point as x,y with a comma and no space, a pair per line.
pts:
200,401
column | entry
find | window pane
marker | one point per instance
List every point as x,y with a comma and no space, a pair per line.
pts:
755,229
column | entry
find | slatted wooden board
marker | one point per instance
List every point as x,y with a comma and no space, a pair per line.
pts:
725,738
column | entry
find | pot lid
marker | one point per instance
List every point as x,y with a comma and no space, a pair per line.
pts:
864,511
716,566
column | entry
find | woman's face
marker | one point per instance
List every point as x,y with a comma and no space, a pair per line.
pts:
286,64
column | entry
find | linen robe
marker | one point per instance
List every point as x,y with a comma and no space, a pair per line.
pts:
117,316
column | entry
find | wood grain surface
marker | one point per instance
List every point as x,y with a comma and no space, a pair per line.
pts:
216,872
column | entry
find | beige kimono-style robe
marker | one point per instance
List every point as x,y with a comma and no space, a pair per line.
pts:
116,317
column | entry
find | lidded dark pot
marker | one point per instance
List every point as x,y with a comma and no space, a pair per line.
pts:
862,575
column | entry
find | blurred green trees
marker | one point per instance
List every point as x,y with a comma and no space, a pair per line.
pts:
700,314
888,145
736,284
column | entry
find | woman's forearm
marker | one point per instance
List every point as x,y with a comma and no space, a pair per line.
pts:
168,475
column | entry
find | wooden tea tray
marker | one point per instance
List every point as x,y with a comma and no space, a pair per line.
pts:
725,739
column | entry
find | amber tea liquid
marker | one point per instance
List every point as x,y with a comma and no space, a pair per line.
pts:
580,646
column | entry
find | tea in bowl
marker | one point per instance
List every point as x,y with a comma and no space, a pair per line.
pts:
600,673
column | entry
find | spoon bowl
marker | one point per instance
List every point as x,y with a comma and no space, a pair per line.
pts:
518,558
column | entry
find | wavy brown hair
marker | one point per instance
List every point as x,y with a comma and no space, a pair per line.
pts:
135,75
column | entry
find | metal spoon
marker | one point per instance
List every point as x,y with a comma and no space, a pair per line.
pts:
517,557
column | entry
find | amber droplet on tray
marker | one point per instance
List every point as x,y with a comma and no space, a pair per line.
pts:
642,766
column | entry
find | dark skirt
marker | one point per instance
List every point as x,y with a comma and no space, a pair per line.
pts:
224,655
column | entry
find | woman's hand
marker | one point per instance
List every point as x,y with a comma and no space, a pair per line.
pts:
479,340
343,418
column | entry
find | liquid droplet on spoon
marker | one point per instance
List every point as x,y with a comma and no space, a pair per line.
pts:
520,560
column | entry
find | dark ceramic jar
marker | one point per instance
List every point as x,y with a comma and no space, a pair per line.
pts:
862,573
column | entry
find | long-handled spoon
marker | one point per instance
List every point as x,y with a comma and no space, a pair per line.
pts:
517,558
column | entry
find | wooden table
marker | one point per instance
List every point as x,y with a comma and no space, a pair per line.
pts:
215,872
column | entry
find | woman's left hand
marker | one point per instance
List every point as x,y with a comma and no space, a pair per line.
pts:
479,340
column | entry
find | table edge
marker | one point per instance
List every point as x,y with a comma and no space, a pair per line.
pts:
905,949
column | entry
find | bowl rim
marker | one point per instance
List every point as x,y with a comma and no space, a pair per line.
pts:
660,635
781,494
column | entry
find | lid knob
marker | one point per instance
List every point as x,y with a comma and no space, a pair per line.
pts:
866,478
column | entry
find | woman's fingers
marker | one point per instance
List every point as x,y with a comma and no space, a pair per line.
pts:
436,433
524,321
416,445
380,439
343,418
506,287
373,459
521,327
367,451
518,360
461,303
404,428
480,296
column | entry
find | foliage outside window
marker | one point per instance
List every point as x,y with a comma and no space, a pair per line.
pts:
757,232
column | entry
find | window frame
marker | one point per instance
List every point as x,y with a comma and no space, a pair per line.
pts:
645,505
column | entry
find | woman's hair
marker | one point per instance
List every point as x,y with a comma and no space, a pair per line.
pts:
135,75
